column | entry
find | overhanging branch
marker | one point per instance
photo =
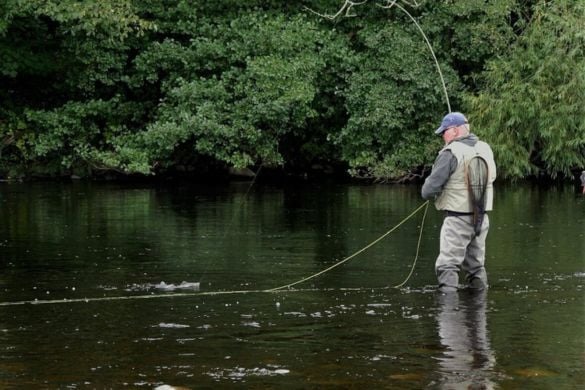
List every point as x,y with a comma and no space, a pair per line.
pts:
347,8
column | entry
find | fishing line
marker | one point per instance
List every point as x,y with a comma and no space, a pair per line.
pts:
426,204
129,297
284,288
429,46
348,7
182,295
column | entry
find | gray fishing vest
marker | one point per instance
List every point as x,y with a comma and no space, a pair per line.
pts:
455,195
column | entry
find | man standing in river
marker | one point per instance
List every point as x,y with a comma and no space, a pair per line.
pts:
463,234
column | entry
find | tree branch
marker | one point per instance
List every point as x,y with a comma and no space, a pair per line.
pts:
8,139
346,7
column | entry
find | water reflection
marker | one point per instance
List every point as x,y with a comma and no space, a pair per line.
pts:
95,240
467,361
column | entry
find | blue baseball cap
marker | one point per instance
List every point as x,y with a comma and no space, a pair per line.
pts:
452,119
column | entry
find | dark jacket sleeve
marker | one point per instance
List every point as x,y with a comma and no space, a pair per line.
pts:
444,166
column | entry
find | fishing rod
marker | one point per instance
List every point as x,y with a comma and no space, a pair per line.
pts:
428,45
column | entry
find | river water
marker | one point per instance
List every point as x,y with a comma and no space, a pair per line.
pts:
113,286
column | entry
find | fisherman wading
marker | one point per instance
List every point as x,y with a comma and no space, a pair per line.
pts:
461,184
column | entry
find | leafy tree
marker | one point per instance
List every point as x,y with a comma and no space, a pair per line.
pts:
532,104
259,88
391,101
395,97
64,63
148,86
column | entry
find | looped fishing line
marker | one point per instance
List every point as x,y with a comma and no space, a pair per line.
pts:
284,288
425,204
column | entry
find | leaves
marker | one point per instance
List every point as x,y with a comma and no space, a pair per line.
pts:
146,86
392,101
239,115
532,107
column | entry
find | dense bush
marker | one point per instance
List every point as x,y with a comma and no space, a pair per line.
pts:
532,104
149,86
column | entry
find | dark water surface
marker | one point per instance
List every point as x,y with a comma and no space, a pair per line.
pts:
344,329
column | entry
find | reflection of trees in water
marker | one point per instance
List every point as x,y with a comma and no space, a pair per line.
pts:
548,214
330,224
341,219
467,361
319,213
64,228
536,234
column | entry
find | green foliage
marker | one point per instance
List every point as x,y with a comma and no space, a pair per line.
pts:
392,101
73,135
146,86
470,34
236,109
74,31
532,107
